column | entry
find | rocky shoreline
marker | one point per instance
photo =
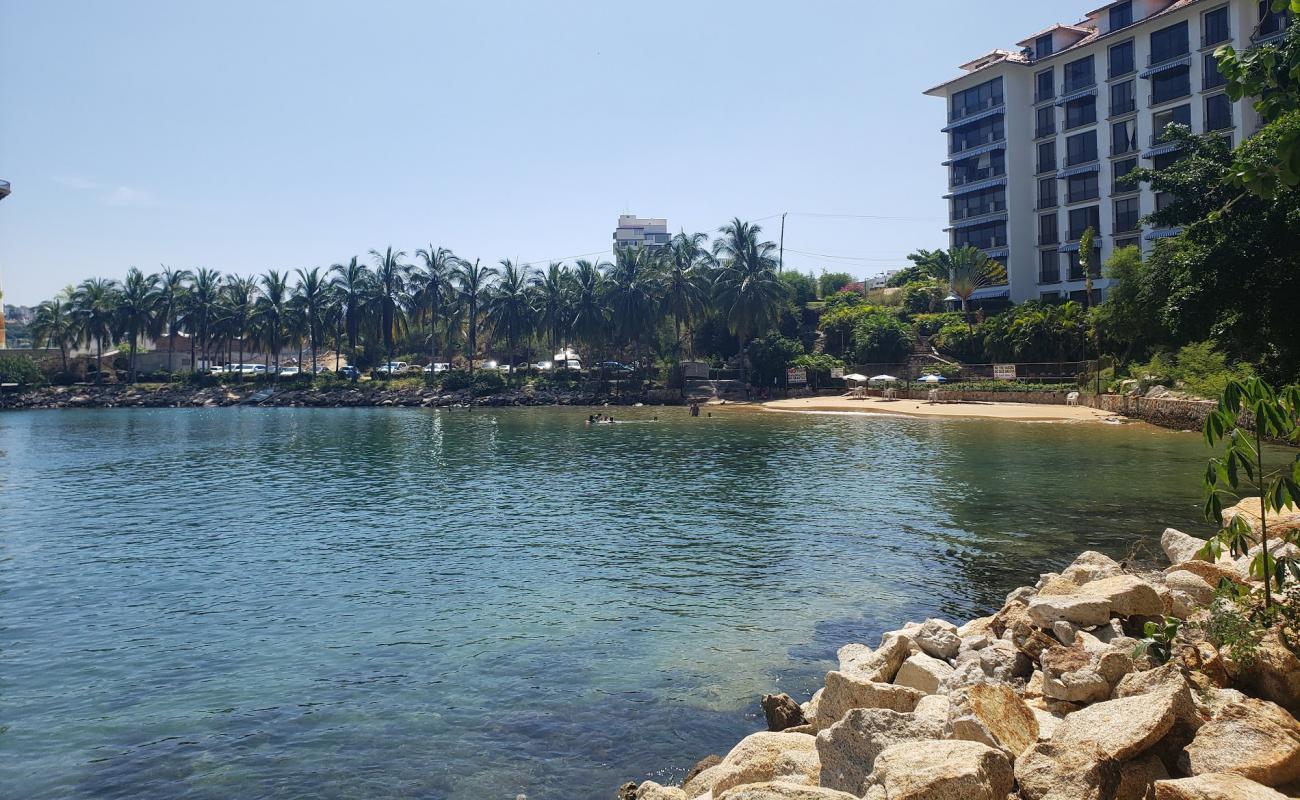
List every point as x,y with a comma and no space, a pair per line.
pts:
350,396
1053,697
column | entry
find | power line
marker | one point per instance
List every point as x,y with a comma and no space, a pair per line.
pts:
848,258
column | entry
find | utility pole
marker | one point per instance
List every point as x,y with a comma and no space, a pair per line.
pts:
781,263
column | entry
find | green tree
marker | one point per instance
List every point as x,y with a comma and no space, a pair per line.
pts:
200,307
241,301
965,270
828,283
510,308
1128,323
633,292
136,307
313,294
20,370
172,288
94,305
554,301
474,282
882,338
801,288
1244,467
686,284
1087,252
390,282
352,284
590,311
431,284
770,355
54,326
272,312
748,293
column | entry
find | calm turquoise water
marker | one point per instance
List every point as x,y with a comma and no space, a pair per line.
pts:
408,603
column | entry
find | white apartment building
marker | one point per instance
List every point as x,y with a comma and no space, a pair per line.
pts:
1039,137
633,231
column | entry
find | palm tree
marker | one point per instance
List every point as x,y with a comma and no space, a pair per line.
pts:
554,289
511,307
137,308
966,270
390,280
474,282
352,285
95,309
633,295
201,301
748,292
54,325
432,288
686,288
241,301
590,318
171,299
272,310
312,292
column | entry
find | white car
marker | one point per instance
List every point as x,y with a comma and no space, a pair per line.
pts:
393,368
439,366
288,371
543,365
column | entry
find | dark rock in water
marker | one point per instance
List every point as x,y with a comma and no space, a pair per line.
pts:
627,791
711,760
782,712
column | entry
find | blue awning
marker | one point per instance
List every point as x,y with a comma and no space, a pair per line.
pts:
1080,170
974,118
991,293
1082,93
997,252
975,151
1185,61
1072,247
978,221
1162,149
1162,233
976,187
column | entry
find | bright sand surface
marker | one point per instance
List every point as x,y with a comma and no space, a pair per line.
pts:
920,408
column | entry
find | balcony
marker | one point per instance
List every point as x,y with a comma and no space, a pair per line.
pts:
1127,222
1271,26
959,114
1047,277
1123,107
971,144
1159,58
1046,202
1048,237
1046,130
979,211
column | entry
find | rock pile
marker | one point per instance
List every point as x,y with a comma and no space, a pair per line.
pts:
1050,698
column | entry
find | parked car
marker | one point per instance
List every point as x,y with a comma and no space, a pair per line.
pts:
616,367
392,368
288,372
438,366
349,372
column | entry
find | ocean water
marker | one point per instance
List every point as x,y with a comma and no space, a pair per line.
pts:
471,605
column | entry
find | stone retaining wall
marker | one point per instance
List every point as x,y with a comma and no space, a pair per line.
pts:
1166,412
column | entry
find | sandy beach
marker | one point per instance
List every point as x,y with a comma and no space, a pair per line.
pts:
1028,412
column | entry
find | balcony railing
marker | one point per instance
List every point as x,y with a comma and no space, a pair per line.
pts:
1123,107
979,211
1151,99
1156,59
971,144
1049,277
1070,87
1126,223
966,111
1048,237
1046,201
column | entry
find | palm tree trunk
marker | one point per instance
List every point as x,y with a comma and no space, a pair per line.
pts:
99,360
132,369
171,342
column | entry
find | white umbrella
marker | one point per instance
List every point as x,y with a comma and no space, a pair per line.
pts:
931,379
855,377
884,379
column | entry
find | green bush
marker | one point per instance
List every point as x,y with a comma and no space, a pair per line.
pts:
1198,369
882,338
819,366
930,324
769,356
922,297
956,339
828,283
20,370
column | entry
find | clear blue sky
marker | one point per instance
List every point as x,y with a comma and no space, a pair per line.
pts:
254,135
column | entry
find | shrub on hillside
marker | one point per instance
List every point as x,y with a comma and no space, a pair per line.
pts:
769,356
882,338
20,370
922,297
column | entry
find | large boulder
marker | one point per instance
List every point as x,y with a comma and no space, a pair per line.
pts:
1180,547
764,756
1080,674
1091,566
1279,523
848,749
880,665
1050,771
1128,595
649,790
933,707
1125,728
844,692
1188,592
939,639
923,673
992,714
1137,778
1210,573
940,770
1085,611
780,790
781,712
1255,739
1215,786
1274,674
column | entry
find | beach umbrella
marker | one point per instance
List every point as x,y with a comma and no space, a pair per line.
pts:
884,379
855,377
931,379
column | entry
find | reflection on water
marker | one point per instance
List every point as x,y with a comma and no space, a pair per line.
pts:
438,604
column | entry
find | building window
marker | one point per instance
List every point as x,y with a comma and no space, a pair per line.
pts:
1121,15
1047,231
1081,148
1121,59
979,133
1047,193
1049,267
1123,98
1170,85
979,168
1043,46
1124,137
1131,241
1081,219
1270,22
1218,112
1126,215
1211,78
976,99
1082,187
977,204
1079,74
1044,86
1180,115
1169,43
1047,157
1080,112
1120,169
1076,266
1214,27
1165,160
1164,200
992,234
1045,121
